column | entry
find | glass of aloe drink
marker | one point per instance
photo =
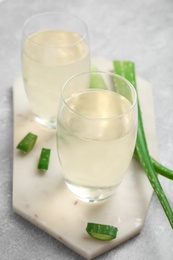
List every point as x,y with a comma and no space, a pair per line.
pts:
55,47
96,133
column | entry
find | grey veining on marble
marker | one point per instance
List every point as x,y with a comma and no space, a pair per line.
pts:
138,30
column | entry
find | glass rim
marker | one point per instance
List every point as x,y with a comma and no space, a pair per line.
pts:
93,89
83,37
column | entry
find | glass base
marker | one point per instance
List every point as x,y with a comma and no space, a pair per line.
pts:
90,194
49,124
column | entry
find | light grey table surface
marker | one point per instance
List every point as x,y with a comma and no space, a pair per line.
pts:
141,31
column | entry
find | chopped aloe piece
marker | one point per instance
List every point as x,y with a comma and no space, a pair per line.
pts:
43,163
27,143
96,80
101,232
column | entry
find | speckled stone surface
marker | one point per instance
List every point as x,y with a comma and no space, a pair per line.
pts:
138,30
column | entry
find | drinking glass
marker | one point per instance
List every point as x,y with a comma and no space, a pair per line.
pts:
55,46
96,133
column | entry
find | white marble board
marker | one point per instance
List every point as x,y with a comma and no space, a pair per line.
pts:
43,199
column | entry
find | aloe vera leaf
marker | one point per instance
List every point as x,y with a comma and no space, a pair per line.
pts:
96,80
159,168
127,70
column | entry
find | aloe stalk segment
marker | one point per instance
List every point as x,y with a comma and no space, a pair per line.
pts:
127,70
96,80
43,163
27,143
